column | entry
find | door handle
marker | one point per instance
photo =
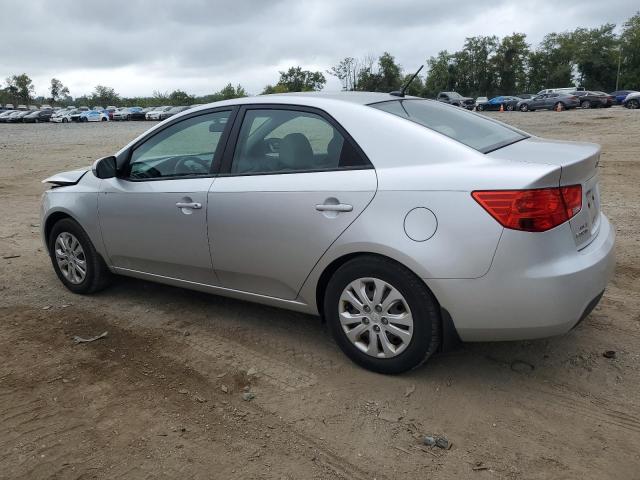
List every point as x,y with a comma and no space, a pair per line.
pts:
340,207
191,205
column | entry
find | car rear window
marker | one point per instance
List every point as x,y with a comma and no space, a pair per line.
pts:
468,128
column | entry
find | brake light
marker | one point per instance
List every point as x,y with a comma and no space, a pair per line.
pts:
535,210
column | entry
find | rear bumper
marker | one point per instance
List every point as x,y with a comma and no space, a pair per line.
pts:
526,294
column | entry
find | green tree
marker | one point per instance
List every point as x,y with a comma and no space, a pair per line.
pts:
21,88
347,71
629,54
180,97
297,80
384,76
104,96
595,53
510,64
57,90
437,74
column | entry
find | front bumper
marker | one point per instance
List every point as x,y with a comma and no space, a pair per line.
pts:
528,293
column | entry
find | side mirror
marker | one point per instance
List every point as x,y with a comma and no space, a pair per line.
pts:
105,167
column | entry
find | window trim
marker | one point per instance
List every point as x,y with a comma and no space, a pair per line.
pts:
220,148
232,142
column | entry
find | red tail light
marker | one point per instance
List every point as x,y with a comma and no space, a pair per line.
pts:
534,210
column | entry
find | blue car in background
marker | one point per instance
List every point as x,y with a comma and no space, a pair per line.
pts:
620,95
507,102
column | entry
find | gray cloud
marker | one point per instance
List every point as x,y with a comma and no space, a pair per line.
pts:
139,46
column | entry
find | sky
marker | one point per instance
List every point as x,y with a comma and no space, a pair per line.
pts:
138,47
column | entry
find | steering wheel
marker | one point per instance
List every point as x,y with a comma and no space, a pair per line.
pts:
190,165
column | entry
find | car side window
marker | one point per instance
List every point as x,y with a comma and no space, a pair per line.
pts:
284,141
187,148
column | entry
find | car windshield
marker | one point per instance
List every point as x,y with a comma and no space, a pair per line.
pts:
467,128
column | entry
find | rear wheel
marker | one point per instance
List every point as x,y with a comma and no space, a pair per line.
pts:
510,107
633,103
64,120
524,107
103,119
480,108
381,315
75,260
585,104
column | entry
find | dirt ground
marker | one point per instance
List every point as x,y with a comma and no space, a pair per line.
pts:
161,395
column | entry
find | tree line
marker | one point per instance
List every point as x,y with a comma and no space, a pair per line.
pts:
594,58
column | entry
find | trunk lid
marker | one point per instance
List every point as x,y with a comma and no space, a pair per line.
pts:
578,164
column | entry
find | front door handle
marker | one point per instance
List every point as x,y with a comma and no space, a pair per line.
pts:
191,205
340,207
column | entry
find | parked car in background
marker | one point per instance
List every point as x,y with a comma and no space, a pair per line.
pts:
620,95
172,111
125,113
140,114
480,100
506,102
38,116
18,116
9,106
513,245
110,110
549,101
94,116
64,116
84,108
560,90
46,107
632,100
75,116
154,114
22,107
4,115
454,98
525,96
589,99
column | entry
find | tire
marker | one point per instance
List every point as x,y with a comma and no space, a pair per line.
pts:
97,275
562,106
524,107
103,119
509,107
128,117
416,301
634,103
480,108
585,104
64,120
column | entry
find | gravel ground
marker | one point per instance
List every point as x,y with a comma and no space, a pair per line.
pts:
162,395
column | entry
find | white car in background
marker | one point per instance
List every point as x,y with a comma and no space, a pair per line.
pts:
155,113
63,116
632,100
94,116
481,100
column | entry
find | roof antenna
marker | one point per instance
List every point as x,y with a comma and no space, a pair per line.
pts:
400,93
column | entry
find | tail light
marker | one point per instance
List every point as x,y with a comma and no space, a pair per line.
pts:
535,210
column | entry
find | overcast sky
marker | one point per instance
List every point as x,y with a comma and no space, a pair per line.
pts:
199,46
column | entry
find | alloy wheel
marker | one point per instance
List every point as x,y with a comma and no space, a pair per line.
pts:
70,258
375,317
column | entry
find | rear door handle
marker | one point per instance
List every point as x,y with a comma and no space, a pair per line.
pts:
192,205
340,207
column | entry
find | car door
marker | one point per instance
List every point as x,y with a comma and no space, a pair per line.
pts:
293,183
154,215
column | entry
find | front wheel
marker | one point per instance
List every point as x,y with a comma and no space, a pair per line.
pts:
75,260
510,107
633,103
64,120
480,108
382,315
585,104
524,107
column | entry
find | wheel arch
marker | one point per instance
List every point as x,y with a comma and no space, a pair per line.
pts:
450,339
51,220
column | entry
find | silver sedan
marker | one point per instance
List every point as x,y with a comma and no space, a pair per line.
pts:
406,224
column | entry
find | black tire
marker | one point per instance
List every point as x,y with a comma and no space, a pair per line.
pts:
103,119
64,120
510,107
424,307
97,276
524,107
633,103
585,104
480,108
128,117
